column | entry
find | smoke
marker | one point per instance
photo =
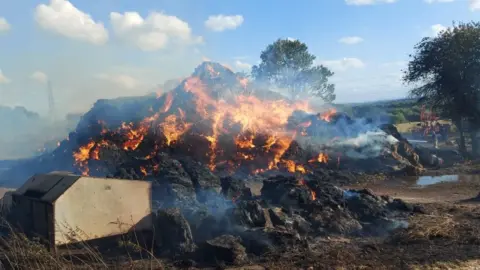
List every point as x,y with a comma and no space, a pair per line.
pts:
25,133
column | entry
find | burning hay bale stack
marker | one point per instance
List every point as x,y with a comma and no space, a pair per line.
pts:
213,118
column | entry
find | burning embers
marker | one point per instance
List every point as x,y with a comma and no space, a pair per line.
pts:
240,131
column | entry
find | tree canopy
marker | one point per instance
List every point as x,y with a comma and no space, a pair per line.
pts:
288,63
446,70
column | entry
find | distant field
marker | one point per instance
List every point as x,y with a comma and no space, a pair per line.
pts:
407,127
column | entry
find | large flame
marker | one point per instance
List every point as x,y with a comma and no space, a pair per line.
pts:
256,128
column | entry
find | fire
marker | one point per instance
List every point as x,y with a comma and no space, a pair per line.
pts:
257,129
82,156
172,129
321,158
143,170
302,182
293,167
245,141
327,116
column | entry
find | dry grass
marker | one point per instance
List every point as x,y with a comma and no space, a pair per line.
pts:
426,228
17,251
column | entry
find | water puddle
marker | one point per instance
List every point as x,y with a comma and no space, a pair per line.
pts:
432,180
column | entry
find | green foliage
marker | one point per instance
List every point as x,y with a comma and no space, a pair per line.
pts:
287,63
398,118
447,68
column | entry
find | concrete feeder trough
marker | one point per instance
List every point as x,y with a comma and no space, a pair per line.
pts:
64,208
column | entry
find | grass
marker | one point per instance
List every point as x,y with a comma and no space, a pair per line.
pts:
17,251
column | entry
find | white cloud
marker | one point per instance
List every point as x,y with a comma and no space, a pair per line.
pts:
343,64
474,5
438,1
62,17
242,65
437,29
368,2
120,80
39,77
219,23
3,78
351,40
4,25
154,32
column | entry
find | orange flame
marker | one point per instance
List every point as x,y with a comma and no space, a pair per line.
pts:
249,115
302,182
321,158
327,116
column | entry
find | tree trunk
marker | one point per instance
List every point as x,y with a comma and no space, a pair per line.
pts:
474,132
461,146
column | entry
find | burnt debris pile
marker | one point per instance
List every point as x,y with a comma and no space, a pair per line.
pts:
221,120
222,220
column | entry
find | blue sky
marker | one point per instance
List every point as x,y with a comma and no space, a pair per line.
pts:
93,49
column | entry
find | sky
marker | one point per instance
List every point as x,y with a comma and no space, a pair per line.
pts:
92,49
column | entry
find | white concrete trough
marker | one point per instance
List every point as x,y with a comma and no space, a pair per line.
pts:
64,208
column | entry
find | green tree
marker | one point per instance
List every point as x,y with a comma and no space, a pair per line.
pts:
287,63
398,118
446,69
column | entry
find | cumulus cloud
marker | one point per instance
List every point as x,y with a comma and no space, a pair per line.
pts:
121,80
219,23
3,78
63,18
242,65
474,5
343,64
154,32
39,76
4,25
351,40
437,29
368,2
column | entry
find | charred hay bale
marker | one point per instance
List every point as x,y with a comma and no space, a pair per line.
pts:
202,178
403,206
407,151
124,173
295,152
335,177
171,171
265,240
366,206
224,249
247,213
300,225
173,195
235,189
278,217
327,194
286,191
208,227
334,220
172,232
